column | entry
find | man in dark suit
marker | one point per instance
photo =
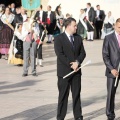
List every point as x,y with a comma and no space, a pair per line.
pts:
99,19
90,19
111,57
13,10
70,55
41,23
51,23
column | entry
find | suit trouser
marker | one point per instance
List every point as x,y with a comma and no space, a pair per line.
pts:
39,52
111,91
29,56
98,26
64,88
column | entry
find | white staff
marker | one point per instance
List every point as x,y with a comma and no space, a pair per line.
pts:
116,80
88,62
43,33
91,24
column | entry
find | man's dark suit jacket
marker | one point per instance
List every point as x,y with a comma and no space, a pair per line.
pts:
101,15
14,11
52,17
111,54
91,14
50,27
66,54
18,19
44,17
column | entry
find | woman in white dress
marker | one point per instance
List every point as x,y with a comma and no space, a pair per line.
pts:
108,25
59,21
82,27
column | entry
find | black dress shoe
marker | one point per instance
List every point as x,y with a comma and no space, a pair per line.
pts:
41,65
34,74
88,39
48,42
111,118
81,118
24,75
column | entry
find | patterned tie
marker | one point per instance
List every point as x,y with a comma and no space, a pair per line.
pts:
119,39
71,40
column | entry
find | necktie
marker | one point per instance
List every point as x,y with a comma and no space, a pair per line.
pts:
119,39
71,40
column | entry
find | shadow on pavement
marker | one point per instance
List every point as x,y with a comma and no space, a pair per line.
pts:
47,112
21,86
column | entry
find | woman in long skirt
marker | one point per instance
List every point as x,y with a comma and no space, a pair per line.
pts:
7,32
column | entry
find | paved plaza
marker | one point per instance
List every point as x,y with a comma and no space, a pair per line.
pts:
35,98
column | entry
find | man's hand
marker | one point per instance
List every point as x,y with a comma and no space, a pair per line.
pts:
41,42
91,23
74,66
38,21
115,72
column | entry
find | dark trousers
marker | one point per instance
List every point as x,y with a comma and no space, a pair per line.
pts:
64,88
111,91
0,55
98,26
39,52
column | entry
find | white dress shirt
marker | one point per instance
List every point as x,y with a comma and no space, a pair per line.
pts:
88,9
49,12
68,35
41,15
13,9
98,13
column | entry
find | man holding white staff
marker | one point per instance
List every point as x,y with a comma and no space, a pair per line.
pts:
70,54
111,57
90,18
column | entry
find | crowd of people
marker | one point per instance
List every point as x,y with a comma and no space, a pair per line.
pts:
92,24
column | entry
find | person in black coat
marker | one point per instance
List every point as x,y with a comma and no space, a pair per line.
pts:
70,55
20,18
111,57
90,19
13,10
99,19
40,17
51,23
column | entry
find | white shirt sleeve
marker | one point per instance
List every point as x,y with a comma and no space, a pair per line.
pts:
19,35
23,34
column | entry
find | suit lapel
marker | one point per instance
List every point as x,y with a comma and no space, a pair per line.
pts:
75,43
51,16
116,41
